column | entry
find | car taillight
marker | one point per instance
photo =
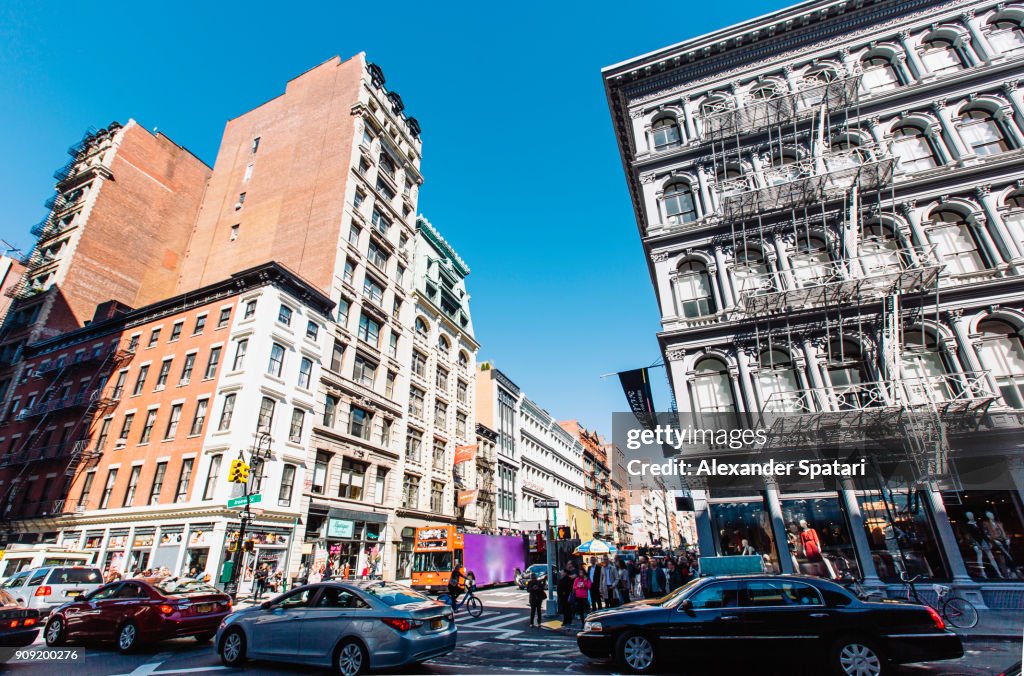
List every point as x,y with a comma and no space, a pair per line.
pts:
936,618
166,609
45,590
30,621
400,623
14,624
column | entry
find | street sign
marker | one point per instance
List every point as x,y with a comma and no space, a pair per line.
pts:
240,501
546,504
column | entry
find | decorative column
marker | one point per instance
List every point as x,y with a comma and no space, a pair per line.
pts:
848,495
664,276
1010,119
965,346
917,67
914,217
691,127
977,223
820,389
716,287
990,207
746,379
702,515
956,145
875,129
735,379
1012,92
757,162
906,74
723,268
707,206
782,256
982,47
778,521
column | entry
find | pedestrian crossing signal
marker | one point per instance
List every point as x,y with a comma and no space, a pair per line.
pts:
238,472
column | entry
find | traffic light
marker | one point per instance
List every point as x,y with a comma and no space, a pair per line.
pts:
243,473
249,546
235,470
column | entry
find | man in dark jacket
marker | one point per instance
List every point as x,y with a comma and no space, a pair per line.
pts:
564,590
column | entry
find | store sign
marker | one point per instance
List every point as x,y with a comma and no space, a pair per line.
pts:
200,538
117,542
465,453
142,541
467,497
340,528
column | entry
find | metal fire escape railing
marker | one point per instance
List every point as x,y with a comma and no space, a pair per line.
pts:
867,276
806,181
726,119
90,399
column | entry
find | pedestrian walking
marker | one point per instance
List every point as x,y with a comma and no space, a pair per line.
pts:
596,585
564,590
535,588
260,584
581,595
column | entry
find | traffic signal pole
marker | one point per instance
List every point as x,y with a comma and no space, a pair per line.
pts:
239,474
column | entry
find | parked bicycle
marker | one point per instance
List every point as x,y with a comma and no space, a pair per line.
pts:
473,605
956,610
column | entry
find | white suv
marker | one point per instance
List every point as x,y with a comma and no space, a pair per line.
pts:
46,588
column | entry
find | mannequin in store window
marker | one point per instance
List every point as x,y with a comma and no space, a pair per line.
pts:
997,536
746,549
981,545
809,540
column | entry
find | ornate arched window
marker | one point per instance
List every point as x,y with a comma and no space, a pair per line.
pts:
694,295
1005,35
778,383
666,134
785,168
1013,214
751,271
814,88
879,74
732,181
940,56
463,360
982,133
955,242
767,90
680,205
712,389
716,112
811,262
1002,354
846,153
421,326
847,374
924,367
443,344
913,148
879,250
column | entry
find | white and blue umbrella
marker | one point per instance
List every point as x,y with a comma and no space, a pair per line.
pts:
596,547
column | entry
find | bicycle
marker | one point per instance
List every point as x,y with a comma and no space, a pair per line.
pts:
956,610
473,605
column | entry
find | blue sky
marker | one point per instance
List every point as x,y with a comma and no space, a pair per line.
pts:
522,172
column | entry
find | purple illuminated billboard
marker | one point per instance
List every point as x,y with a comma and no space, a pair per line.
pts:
494,558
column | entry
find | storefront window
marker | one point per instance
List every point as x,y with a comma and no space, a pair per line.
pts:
743,528
905,542
988,527
403,567
818,539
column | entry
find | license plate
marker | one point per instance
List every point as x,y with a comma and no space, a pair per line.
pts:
204,608
72,592
436,624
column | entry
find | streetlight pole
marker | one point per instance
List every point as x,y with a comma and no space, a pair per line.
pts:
245,517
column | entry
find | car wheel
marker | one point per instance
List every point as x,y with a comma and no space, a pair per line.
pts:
636,653
855,656
205,638
54,633
128,637
232,648
350,659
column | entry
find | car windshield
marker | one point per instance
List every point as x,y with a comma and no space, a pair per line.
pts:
539,568
184,585
432,562
15,582
395,595
672,600
75,576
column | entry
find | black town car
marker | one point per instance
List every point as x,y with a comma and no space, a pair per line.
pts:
782,618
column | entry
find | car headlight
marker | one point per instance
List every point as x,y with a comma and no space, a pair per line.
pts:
593,627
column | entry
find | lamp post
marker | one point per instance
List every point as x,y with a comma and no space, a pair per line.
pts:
256,454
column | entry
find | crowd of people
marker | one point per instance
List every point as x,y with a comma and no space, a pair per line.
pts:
608,583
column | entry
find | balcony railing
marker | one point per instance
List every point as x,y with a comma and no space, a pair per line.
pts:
79,400
872,275
805,181
727,119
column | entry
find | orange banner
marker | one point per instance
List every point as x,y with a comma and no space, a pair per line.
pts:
465,453
467,497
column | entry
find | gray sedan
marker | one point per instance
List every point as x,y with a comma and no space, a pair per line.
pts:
351,627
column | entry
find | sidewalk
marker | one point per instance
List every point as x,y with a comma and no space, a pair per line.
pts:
995,624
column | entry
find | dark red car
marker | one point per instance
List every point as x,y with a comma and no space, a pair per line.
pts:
140,611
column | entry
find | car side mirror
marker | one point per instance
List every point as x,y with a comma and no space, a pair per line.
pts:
79,598
686,604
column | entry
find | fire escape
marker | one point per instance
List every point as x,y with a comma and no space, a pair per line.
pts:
815,182
57,400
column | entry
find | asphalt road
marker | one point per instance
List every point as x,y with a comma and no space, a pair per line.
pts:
498,642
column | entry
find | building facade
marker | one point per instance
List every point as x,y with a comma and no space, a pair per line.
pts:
829,201
622,523
597,484
122,432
